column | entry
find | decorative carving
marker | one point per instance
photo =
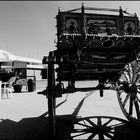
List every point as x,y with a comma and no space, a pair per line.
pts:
101,26
72,25
129,27
108,43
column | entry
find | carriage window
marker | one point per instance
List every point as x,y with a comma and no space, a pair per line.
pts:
129,28
72,25
97,26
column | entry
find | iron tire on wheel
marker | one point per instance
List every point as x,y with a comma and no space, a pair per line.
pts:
51,98
128,92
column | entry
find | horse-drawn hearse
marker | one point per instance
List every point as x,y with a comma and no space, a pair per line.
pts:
94,46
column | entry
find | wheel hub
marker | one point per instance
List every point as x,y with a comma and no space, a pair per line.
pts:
133,89
99,129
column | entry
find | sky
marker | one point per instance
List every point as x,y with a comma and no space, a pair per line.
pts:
27,28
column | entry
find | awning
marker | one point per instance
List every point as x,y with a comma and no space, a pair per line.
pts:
35,66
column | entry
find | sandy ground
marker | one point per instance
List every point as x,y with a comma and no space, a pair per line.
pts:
19,116
24,104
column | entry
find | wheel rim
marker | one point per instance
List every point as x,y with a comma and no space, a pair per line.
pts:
97,127
128,92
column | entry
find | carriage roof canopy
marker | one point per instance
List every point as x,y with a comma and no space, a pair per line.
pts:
86,17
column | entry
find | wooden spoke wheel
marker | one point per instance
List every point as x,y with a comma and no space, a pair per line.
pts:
128,91
51,98
97,127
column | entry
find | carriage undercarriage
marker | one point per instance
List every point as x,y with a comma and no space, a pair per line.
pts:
112,60
126,83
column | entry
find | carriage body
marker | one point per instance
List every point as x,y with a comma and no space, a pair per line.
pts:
95,46
98,47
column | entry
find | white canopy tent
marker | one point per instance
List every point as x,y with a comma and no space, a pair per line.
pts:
6,56
6,60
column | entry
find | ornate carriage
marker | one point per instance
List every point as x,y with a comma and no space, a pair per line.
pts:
100,47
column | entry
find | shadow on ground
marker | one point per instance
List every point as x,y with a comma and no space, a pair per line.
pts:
67,128
70,127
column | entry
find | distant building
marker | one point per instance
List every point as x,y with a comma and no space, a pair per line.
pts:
23,66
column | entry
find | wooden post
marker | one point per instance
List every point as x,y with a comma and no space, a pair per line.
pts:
83,20
121,22
58,26
51,98
83,32
136,24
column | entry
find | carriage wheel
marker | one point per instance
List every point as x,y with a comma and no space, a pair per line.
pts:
51,98
97,127
128,92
